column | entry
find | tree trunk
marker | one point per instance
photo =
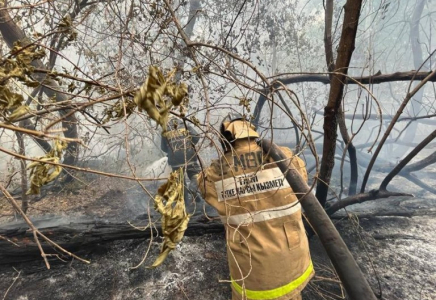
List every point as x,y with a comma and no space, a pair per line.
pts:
345,51
354,174
288,110
27,123
11,34
258,110
194,7
341,115
416,101
328,44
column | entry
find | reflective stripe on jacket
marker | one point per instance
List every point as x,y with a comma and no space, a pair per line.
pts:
267,247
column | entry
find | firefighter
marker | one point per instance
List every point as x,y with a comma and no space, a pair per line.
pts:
267,247
179,143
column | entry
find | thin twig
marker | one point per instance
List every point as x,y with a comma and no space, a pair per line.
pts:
39,134
13,282
36,232
8,240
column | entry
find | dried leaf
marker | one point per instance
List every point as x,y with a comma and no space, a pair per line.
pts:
9,99
42,173
19,67
177,93
116,112
18,112
169,202
159,94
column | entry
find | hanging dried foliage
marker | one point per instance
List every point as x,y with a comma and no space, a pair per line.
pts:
17,66
169,202
42,173
159,94
18,112
66,25
156,96
117,111
9,100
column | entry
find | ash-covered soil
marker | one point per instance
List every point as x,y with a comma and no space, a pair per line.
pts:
192,271
397,253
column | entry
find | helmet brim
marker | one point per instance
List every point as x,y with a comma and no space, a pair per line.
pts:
240,129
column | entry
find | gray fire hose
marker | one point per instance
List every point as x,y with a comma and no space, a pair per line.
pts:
352,278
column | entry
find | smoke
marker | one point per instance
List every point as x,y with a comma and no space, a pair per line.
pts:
158,169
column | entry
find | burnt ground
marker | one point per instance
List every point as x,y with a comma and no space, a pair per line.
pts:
397,253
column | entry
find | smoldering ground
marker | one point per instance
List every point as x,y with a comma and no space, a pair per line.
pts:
391,240
394,252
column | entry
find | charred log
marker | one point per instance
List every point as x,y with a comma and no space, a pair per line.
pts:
393,213
17,243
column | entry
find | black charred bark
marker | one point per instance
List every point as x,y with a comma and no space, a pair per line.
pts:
17,243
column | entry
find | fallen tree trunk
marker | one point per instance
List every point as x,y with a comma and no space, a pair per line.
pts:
17,243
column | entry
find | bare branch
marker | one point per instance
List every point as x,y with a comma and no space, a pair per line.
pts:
373,79
406,160
391,126
359,198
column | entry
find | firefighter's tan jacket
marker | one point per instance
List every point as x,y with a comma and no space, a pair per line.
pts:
267,247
